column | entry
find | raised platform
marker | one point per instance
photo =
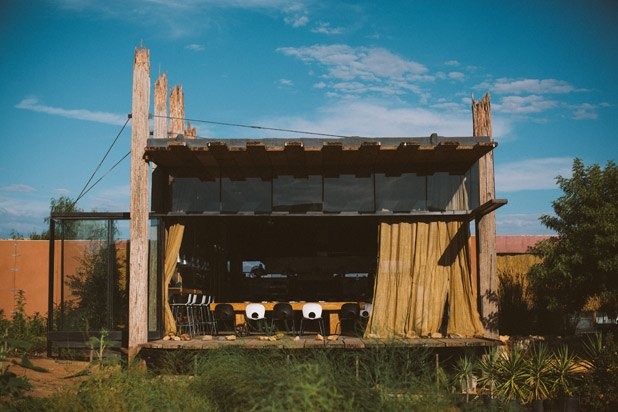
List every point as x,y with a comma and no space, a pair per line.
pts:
310,341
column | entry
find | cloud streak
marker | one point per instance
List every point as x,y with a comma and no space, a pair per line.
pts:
33,104
532,174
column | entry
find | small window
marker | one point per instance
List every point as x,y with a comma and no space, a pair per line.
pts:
348,193
195,195
246,195
404,192
297,194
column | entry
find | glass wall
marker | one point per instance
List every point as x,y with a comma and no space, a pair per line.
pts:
378,192
90,275
400,193
195,195
297,194
348,193
252,194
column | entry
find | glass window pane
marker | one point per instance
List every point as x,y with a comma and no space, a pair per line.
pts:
195,195
348,193
297,194
248,195
446,192
400,193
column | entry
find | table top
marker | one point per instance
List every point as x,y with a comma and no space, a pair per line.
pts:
240,306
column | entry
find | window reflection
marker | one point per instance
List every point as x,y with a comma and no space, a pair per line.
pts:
248,195
194,195
400,193
446,192
297,194
348,193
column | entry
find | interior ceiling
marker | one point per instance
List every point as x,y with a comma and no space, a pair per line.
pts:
207,158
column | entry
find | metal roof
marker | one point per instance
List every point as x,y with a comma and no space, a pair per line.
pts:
209,158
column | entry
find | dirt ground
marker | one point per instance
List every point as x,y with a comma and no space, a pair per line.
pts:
45,384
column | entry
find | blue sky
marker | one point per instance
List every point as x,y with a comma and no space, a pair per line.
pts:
390,68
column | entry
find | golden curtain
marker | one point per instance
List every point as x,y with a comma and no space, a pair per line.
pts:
173,240
421,265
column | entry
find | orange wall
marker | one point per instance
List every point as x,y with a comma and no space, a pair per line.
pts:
24,264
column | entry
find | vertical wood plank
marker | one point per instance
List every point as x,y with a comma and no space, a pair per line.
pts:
486,225
177,111
138,228
160,107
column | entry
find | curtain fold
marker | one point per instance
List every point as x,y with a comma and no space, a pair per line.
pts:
173,240
421,266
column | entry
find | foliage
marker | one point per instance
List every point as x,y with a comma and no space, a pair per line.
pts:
90,310
511,376
599,386
582,261
63,204
564,371
539,379
488,365
465,370
515,311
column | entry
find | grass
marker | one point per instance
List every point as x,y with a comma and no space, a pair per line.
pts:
385,378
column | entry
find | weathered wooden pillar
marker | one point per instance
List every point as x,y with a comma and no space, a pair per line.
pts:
138,228
486,225
160,107
177,111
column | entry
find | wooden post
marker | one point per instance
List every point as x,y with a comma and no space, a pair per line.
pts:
486,225
160,107
138,228
177,111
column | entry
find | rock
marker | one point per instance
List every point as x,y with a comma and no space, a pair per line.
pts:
319,337
296,337
272,338
184,336
167,337
333,337
175,337
207,337
230,337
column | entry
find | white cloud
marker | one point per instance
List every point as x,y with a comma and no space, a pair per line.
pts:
456,75
373,119
195,47
520,224
534,86
531,174
585,111
453,63
32,103
17,188
285,83
319,85
524,104
361,69
184,18
326,28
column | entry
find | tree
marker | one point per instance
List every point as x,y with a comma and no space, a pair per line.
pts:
581,263
63,204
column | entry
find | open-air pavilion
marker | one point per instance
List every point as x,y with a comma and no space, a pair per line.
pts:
379,222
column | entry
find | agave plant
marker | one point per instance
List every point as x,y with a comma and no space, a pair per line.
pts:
564,370
465,369
511,376
488,366
539,372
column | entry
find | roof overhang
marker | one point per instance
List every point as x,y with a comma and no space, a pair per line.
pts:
210,158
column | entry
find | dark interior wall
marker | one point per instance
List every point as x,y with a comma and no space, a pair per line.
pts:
304,258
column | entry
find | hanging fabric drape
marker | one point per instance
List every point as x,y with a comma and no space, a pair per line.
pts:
421,265
173,240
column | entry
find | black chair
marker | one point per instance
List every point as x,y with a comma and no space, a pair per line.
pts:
283,314
225,316
349,315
